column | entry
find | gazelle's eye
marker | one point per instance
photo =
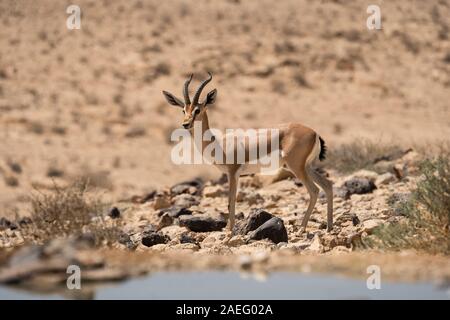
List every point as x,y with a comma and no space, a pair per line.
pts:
197,111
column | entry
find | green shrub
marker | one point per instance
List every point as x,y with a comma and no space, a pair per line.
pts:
427,212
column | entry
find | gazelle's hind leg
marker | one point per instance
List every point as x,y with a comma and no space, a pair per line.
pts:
302,174
327,187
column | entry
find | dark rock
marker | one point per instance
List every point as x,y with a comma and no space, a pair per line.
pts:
25,221
114,213
202,223
355,220
151,238
255,219
175,212
6,224
359,186
125,239
186,238
165,221
273,230
191,187
143,199
185,200
222,180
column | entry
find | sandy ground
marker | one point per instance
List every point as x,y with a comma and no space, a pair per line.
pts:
88,102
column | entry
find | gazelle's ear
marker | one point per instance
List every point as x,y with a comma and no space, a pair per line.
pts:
211,97
173,100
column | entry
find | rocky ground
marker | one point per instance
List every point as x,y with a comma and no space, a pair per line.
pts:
184,227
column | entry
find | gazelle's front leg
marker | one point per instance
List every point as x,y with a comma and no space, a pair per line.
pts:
232,181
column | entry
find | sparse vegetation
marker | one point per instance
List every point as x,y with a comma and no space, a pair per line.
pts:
361,154
68,211
427,211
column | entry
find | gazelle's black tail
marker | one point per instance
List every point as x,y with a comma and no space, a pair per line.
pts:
323,149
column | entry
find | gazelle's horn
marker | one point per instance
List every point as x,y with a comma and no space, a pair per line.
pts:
186,90
200,88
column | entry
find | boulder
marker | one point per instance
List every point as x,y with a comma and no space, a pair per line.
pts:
272,229
151,238
255,219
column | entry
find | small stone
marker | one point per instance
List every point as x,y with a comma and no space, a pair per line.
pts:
236,241
202,223
190,187
151,238
165,221
255,219
175,212
160,202
214,191
384,179
272,229
185,201
316,244
186,238
114,213
6,224
369,225
359,186
355,220
245,261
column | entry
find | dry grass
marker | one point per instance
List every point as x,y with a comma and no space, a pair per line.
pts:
361,154
427,211
68,211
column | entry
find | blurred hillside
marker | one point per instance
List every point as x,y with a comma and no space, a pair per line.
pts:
88,102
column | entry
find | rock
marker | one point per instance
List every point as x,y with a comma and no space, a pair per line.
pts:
255,219
185,201
369,225
114,213
355,220
151,238
365,174
165,221
250,197
202,223
25,221
236,241
6,224
384,179
245,261
359,186
125,239
161,201
400,171
186,238
143,199
175,212
214,191
272,229
192,187
316,244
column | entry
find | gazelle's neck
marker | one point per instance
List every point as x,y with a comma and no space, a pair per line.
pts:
199,142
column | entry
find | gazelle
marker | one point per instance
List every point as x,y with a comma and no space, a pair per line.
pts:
298,147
